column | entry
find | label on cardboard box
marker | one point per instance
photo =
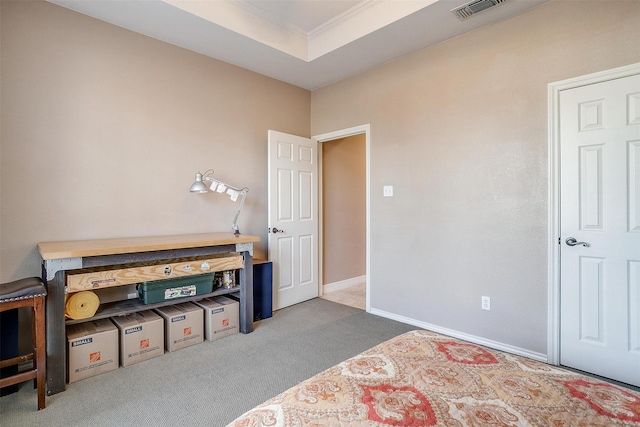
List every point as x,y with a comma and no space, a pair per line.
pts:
92,349
141,336
183,325
221,317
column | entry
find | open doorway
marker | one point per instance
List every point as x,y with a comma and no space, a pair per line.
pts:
344,216
343,172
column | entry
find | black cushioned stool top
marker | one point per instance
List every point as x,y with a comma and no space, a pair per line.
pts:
22,289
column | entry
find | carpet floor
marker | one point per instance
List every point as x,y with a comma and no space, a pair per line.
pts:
214,382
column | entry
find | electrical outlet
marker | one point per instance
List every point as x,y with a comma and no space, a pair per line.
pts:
486,303
387,191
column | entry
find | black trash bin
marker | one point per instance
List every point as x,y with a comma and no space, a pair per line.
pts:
262,289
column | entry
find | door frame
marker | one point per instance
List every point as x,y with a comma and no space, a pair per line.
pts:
330,136
553,296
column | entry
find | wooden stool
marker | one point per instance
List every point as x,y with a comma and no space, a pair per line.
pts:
28,292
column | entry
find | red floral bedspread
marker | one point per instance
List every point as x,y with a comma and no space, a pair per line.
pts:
424,379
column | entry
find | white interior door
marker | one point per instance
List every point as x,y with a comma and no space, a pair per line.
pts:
600,206
293,218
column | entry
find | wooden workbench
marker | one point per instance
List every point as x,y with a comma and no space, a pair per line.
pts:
61,260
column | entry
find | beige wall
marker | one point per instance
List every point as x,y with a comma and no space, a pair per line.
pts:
103,130
460,130
344,198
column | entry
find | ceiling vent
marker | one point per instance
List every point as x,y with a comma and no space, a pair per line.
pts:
468,10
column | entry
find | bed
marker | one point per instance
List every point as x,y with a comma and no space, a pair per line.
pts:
422,378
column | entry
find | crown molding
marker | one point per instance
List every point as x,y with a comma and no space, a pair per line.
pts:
286,26
362,19
343,17
250,22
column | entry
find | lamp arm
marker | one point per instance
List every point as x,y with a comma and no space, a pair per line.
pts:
239,190
243,193
206,176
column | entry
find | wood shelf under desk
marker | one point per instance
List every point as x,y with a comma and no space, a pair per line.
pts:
122,308
59,259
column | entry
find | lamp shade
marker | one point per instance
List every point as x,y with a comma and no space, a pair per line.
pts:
198,186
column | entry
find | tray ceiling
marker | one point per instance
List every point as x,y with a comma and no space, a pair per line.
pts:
307,43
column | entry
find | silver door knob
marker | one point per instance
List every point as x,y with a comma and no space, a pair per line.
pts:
571,241
275,230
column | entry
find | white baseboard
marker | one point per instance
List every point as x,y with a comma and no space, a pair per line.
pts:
343,284
466,337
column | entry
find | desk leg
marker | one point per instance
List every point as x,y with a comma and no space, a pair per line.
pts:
246,294
56,336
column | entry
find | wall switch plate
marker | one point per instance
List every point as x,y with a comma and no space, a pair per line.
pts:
486,303
387,191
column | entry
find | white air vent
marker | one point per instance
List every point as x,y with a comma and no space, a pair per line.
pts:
467,10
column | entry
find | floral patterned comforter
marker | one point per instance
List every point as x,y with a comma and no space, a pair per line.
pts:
425,379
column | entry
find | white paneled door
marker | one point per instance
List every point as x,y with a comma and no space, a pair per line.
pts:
600,228
293,218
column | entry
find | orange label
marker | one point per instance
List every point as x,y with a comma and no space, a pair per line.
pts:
144,343
94,357
187,331
225,322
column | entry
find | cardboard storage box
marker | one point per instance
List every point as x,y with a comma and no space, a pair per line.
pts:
141,336
92,349
183,325
221,317
168,289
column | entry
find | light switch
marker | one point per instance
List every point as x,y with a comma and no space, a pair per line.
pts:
387,191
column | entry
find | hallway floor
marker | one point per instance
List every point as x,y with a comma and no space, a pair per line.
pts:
354,296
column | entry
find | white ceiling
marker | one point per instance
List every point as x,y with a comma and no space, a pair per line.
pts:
308,43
